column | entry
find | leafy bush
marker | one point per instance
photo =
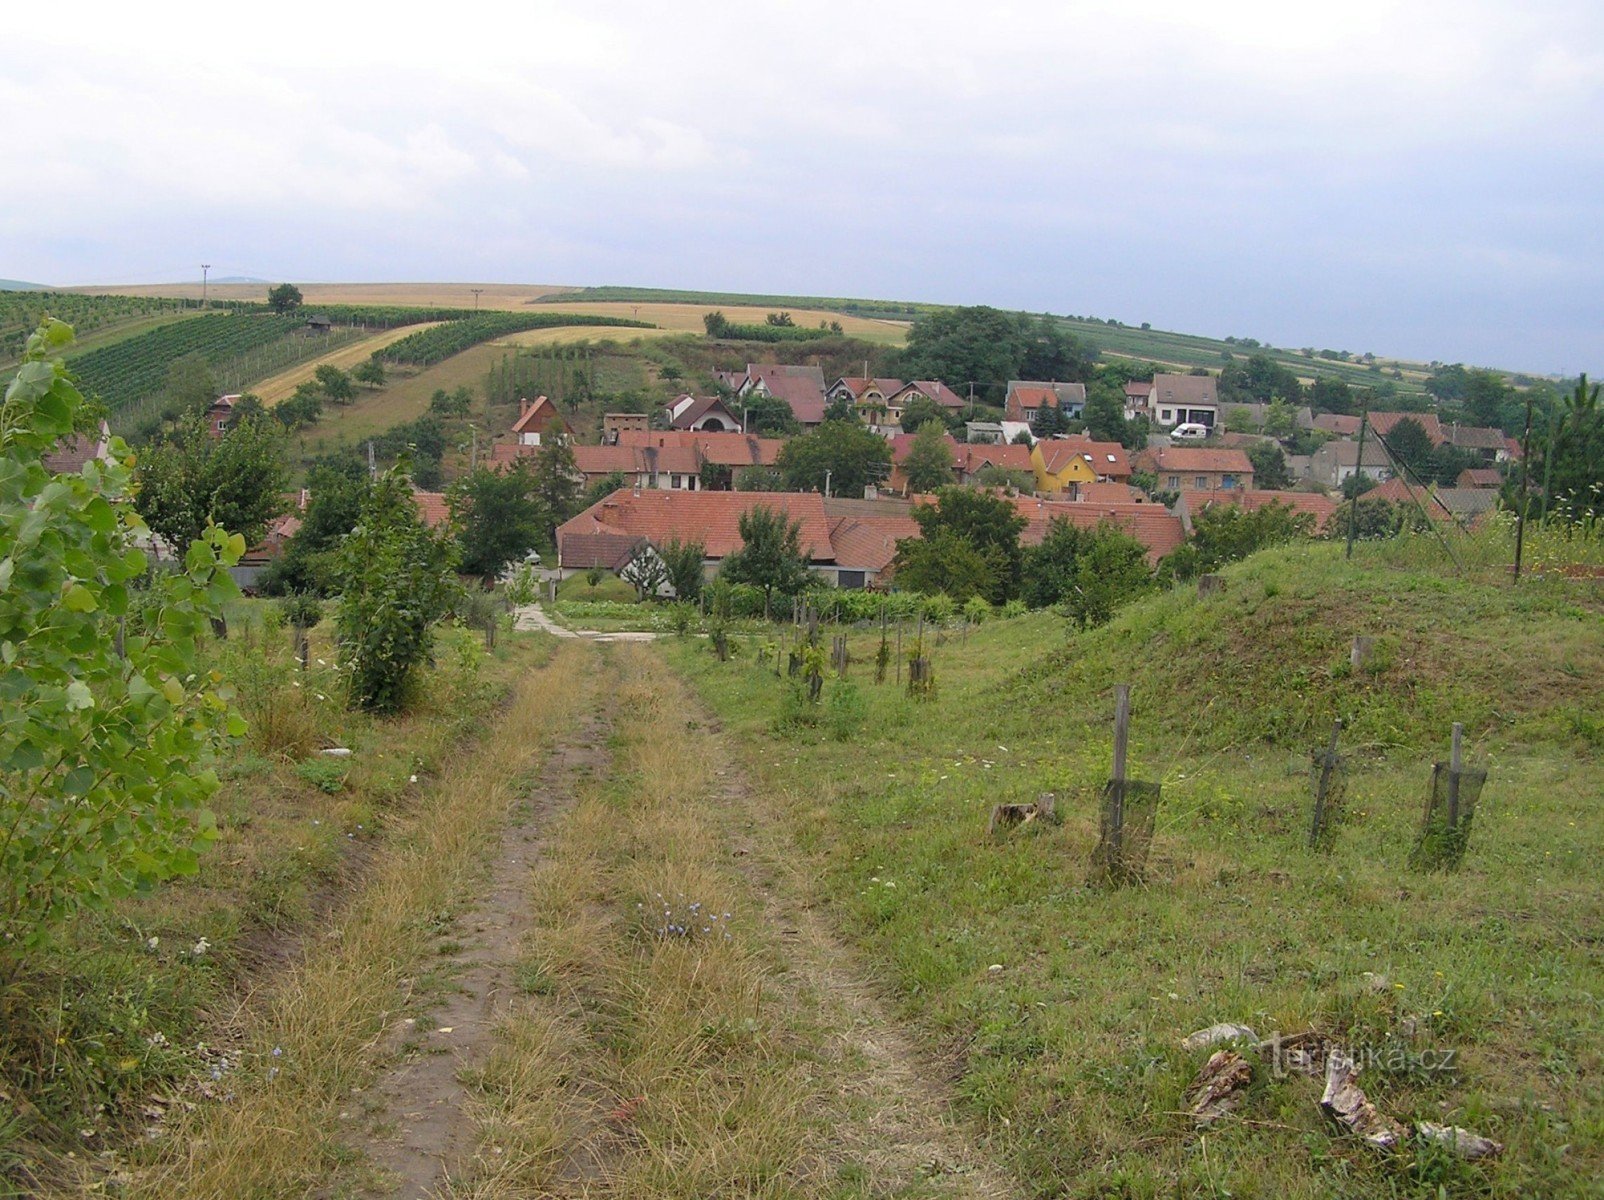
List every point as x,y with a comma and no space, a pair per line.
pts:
104,754
845,711
977,609
325,774
300,611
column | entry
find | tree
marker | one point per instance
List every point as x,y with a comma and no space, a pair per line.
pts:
370,371
193,480
1486,395
645,572
1329,395
337,488
335,383
1411,445
396,578
1105,411
991,524
989,347
993,476
716,323
1269,466
1258,379
683,560
945,562
602,488
1049,421
1568,463
758,479
285,298
111,720
928,465
189,388
770,557
1279,420
1050,351
303,408
840,409
1357,484
497,517
845,456
921,410
556,478
451,404
1223,533
768,416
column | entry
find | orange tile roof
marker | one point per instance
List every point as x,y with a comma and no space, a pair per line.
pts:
1318,506
709,517
726,449
869,543
540,413
432,507
1105,458
1383,423
1184,459
1151,524
972,456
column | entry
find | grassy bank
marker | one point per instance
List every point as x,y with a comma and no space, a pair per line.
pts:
1058,1005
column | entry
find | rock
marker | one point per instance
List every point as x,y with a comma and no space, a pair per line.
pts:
1218,1088
1461,1141
337,752
1215,1034
1346,1101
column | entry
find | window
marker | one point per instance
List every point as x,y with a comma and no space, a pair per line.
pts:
1227,481
1175,483
1167,415
850,579
1202,483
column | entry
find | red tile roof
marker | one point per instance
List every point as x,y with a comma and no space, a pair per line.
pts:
710,517
69,455
539,413
937,391
1337,423
1318,506
972,456
801,387
609,551
869,543
1151,524
431,507
1482,477
726,449
1383,423
1105,458
1182,460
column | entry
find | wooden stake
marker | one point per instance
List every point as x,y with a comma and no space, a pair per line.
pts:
1122,728
899,651
1326,768
1456,760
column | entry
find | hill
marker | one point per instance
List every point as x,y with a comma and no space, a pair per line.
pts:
17,285
1056,1004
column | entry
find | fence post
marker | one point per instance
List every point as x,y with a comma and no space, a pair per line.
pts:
899,652
1122,734
1325,784
1456,763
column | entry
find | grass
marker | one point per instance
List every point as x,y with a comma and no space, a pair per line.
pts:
1058,1005
302,1051
124,1017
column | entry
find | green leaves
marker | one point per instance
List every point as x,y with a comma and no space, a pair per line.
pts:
101,774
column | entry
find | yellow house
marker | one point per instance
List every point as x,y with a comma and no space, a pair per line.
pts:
1062,463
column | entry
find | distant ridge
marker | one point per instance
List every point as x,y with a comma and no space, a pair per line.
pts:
240,279
17,285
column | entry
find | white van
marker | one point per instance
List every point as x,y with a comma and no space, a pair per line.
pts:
1190,432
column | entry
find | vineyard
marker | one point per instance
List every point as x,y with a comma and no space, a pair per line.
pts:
237,349
429,346
21,312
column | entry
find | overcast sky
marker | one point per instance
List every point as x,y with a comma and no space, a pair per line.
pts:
1412,178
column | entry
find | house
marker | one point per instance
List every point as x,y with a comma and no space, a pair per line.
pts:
668,459
968,460
432,508
1151,524
615,423
927,389
1489,444
1336,462
865,534
1062,464
1337,423
318,323
1137,393
1183,400
870,398
68,455
1384,423
220,414
535,418
707,413
712,518
1480,477
1318,506
1197,468
801,387
1456,503
1027,397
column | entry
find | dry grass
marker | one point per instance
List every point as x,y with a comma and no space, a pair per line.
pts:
311,1045
680,1074
687,318
277,387
510,296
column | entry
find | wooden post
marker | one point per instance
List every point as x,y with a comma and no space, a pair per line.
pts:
1456,760
1326,768
1360,652
302,646
899,651
1122,733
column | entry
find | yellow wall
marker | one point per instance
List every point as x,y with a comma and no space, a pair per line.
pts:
1076,470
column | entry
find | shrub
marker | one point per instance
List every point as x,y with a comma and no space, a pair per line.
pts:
300,611
845,711
977,609
325,774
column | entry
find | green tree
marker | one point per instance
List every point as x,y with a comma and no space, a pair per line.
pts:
1329,395
716,323
190,388
758,479
1049,421
1223,533
337,488
767,416
848,454
1568,462
1090,572
193,480
976,344
370,371
1269,466
1487,393
770,557
1411,445
684,561
840,409
1258,379
645,573
302,408
397,578
928,465
110,721
557,480
1105,411
602,488
991,524
497,518
286,297
1280,420
921,411
335,383
945,562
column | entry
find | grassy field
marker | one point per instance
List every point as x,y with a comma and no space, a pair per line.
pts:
457,295
1058,1005
278,387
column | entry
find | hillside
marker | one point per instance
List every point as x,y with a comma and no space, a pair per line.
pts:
1056,1005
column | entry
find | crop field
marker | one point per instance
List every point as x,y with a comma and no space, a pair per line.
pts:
277,387
429,346
21,312
126,372
512,297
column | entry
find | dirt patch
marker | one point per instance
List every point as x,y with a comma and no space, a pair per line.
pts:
420,1133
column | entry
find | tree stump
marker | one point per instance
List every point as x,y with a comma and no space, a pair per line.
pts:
1004,815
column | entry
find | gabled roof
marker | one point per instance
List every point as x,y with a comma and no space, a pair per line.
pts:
536,414
692,409
1460,501
1475,437
869,543
1337,423
726,449
859,384
1185,389
609,551
709,517
1138,389
68,456
1104,458
1346,454
1188,459
432,507
972,456
801,387
1384,422
1480,477
936,390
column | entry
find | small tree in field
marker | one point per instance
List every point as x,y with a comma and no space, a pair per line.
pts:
370,371
397,579
645,573
286,297
684,560
770,556
108,720
336,384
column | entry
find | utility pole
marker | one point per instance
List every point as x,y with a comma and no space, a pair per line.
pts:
205,269
476,292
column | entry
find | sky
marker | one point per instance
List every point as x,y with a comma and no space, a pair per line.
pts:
1420,179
